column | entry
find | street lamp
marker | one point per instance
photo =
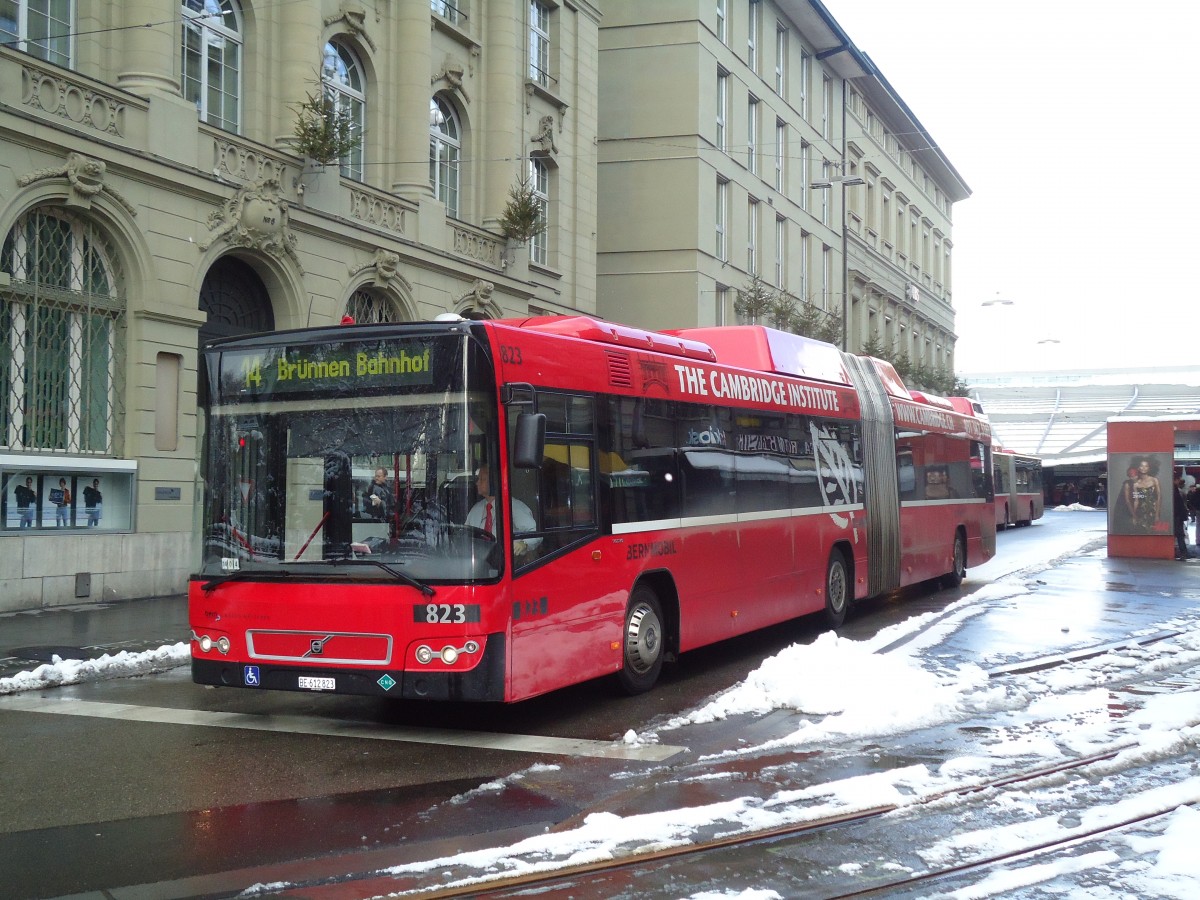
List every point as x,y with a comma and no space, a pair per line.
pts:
845,181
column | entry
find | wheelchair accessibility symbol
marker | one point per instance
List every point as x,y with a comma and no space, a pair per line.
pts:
250,676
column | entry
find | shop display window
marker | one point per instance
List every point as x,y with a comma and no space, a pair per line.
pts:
69,499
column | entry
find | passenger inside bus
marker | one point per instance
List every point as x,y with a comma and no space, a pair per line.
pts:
937,484
378,499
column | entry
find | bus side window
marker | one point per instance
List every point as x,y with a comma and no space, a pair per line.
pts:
566,486
907,474
524,486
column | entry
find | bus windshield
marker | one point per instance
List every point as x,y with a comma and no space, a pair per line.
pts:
337,466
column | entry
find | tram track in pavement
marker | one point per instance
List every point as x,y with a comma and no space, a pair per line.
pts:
595,879
588,879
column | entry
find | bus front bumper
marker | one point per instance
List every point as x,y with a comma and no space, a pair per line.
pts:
484,682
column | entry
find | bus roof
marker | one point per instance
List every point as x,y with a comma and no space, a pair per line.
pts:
767,350
589,329
752,347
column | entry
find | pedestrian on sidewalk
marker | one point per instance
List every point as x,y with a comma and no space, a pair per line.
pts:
1193,505
1181,518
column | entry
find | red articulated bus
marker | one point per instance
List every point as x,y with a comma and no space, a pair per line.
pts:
490,510
1018,486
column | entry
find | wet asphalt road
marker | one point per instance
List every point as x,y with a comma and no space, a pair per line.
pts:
100,803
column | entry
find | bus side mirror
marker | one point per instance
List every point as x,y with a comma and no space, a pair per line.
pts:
531,441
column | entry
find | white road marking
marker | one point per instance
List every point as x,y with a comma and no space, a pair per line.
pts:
516,743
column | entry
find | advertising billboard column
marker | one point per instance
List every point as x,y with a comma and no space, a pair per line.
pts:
1141,459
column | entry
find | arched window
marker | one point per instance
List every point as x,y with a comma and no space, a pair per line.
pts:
445,149
370,307
342,77
62,316
212,60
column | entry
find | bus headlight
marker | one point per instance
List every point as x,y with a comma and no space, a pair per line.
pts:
207,643
448,655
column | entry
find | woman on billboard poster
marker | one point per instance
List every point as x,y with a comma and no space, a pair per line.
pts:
1142,497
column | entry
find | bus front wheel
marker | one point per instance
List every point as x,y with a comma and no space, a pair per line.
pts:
837,590
643,642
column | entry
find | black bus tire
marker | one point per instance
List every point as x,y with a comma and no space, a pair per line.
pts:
642,642
955,576
837,590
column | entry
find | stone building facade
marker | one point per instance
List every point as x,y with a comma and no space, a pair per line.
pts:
152,198
752,137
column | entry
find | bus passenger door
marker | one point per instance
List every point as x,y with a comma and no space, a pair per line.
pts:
564,621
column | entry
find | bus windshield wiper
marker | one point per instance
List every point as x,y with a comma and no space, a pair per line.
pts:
391,570
216,581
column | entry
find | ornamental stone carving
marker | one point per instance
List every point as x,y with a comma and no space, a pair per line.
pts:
545,135
257,218
376,210
58,95
452,73
387,271
86,177
479,295
244,163
485,249
354,15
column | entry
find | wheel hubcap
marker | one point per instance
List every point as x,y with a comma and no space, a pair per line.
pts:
643,639
837,589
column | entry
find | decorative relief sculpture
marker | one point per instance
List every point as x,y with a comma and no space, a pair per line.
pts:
479,297
386,264
545,136
256,217
452,73
355,17
374,210
56,94
243,163
486,250
86,177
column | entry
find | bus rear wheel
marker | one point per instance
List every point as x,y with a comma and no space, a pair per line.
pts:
837,590
955,577
643,642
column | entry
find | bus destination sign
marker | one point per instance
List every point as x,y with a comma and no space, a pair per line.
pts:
307,369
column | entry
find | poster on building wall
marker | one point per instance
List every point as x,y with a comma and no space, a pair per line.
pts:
68,500
1140,498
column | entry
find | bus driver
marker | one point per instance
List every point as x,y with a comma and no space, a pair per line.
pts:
483,514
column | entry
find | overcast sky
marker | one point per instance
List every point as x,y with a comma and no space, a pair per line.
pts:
1072,123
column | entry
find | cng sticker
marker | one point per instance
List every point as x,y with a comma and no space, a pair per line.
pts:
387,682
251,677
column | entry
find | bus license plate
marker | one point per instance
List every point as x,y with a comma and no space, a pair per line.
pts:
308,683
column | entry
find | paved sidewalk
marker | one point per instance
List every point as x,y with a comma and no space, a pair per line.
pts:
89,631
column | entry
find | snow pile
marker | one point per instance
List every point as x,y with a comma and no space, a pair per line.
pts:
119,665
